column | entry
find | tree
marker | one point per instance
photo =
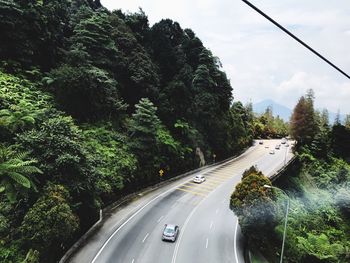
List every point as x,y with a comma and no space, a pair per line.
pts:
94,34
111,157
14,171
254,205
302,124
50,221
339,135
57,145
87,93
347,121
321,144
143,135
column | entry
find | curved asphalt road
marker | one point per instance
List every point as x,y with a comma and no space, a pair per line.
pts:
209,231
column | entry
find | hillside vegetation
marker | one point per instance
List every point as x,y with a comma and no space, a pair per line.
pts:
318,186
93,104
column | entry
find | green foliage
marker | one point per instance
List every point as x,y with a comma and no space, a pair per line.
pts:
342,200
143,129
87,93
320,247
251,170
339,135
112,159
22,104
254,205
14,171
32,257
268,126
50,220
318,229
240,127
58,146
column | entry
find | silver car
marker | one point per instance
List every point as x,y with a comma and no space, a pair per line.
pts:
170,232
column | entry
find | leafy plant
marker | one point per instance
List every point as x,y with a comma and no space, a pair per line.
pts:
14,171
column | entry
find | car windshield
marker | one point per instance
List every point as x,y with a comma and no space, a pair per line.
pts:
168,231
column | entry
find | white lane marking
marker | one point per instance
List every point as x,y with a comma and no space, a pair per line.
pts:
138,210
133,260
181,233
142,206
211,224
160,219
144,239
206,244
235,242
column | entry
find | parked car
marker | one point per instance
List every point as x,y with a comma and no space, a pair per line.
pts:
261,142
170,232
199,178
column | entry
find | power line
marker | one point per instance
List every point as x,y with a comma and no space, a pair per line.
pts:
296,38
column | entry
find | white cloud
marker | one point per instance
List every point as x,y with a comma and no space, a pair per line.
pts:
261,61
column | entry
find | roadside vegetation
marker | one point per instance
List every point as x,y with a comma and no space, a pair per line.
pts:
93,104
318,185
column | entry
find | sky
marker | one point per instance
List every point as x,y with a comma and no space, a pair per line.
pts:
261,61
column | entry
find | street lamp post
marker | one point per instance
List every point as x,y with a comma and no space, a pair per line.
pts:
285,155
285,220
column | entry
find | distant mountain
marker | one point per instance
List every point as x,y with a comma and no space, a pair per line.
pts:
284,112
277,109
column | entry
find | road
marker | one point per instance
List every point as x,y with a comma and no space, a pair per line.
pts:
209,230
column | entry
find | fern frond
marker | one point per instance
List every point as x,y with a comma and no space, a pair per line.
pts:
20,179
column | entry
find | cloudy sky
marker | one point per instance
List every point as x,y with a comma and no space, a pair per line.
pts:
261,61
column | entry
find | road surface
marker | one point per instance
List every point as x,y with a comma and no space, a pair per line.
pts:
209,231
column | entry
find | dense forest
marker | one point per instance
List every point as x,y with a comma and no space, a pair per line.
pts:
93,103
318,187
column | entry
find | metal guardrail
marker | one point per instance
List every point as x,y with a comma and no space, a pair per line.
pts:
282,169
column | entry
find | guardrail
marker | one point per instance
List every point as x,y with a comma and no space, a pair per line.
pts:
282,169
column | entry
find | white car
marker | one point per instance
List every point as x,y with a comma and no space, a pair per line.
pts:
272,152
170,232
199,178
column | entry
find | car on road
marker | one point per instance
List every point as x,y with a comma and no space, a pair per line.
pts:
170,232
284,140
277,147
261,142
272,152
199,178
287,145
